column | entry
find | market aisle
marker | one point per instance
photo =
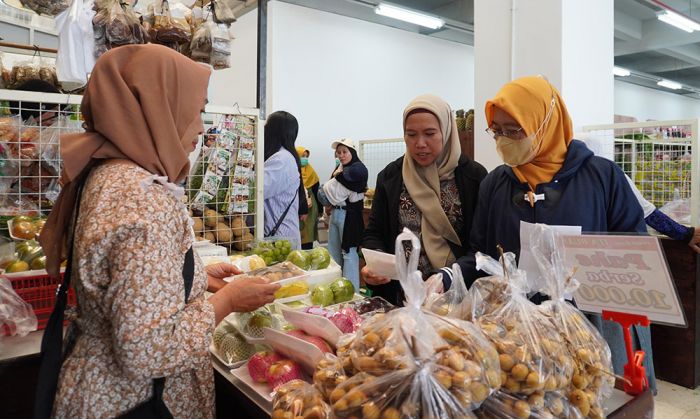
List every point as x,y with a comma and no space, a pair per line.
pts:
676,402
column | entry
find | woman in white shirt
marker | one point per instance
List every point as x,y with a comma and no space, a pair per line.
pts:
282,179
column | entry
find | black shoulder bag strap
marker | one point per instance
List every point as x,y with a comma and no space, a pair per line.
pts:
52,341
52,345
279,221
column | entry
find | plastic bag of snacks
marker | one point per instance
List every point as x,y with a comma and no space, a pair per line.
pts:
220,57
200,47
16,316
490,293
538,405
24,71
411,362
170,27
46,7
532,353
299,399
455,302
116,25
592,379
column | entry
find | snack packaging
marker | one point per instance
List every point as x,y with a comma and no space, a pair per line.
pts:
299,399
116,25
455,302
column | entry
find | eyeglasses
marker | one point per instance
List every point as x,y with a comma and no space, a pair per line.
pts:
513,134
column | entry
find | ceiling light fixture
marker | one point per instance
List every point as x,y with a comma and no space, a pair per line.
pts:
622,72
678,20
409,16
669,84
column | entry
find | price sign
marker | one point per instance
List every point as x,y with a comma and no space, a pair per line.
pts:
624,273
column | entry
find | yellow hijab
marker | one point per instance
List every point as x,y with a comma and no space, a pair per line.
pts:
308,174
423,183
528,100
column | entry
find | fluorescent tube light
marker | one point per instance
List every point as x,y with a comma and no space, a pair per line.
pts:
679,21
669,84
622,72
409,16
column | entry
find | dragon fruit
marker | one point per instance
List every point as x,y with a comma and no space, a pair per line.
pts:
260,363
321,344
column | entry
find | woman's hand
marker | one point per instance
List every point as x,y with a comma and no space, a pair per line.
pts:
370,278
695,240
216,274
242,295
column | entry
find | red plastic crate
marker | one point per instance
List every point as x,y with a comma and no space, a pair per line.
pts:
40,292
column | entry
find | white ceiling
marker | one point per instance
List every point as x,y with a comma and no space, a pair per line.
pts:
654,49
651,49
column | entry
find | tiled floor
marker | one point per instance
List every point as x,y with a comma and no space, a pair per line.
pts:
676,402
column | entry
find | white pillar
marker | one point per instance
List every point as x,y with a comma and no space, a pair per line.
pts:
569,41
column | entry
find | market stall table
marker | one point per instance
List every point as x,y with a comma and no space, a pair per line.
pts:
233,398
19,365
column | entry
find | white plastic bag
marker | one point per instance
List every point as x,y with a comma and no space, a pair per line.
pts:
15,314
76,45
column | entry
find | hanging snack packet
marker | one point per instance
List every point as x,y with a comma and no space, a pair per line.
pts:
115,24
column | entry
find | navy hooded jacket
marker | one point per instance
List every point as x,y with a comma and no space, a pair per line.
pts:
589,191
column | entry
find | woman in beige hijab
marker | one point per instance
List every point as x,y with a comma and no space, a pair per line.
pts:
139,318
431,190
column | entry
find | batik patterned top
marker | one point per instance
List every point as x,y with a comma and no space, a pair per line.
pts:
410,217
133,324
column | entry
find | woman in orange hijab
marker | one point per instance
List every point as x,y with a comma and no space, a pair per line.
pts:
550,178
143,329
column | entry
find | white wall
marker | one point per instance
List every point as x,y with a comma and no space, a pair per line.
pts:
644,103
343,77
238,83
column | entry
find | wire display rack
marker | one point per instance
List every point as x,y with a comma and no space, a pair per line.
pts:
658,157
376,154
31,124
224,188
30,127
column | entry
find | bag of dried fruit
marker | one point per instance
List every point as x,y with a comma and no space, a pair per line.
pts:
592,379
455,302
533,355
490,293
299,399
411,362
116,24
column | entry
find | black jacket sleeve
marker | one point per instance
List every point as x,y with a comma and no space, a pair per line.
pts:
303,205
376,231
314,191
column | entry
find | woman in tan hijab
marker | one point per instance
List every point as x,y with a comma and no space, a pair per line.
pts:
431,190
139,318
